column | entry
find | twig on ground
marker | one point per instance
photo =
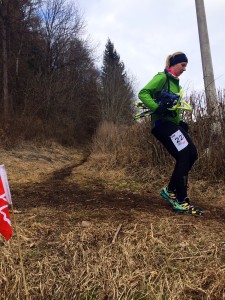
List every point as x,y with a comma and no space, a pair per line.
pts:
116,234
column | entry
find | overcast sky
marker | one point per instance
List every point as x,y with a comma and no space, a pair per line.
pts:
144,32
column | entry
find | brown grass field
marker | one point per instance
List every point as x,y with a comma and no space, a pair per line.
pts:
95,233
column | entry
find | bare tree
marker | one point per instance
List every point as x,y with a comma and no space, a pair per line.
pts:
4,17
68,74
16,30
49,70
61,23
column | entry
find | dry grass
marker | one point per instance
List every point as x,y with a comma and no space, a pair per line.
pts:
73,249
135,149
32,163
152,258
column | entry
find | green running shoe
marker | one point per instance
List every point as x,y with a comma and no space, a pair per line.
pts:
168,195
186,208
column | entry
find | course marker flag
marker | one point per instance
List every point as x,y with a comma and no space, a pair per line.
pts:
5,200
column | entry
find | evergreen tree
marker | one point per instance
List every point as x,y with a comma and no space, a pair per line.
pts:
116,89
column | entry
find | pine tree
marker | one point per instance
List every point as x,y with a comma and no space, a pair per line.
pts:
116,90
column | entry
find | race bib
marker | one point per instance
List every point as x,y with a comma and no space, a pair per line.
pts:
179,140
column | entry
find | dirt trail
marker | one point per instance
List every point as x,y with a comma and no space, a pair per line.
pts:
97,202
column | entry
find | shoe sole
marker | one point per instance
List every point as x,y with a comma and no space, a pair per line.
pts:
198,212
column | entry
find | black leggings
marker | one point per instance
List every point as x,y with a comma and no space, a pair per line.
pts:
185,158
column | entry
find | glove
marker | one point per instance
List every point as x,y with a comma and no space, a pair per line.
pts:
184,125
161,110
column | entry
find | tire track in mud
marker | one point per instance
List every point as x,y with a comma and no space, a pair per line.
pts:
56,192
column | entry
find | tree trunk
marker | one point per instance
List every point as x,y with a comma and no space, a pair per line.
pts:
5,61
